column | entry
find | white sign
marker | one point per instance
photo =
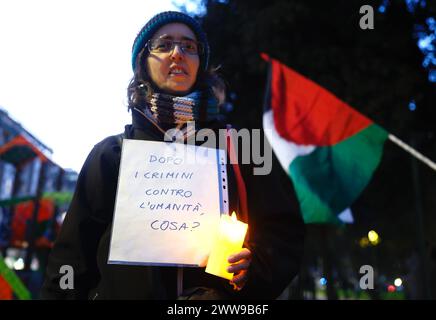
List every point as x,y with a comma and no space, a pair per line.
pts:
168,204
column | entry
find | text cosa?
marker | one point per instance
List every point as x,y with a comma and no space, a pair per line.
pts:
173,225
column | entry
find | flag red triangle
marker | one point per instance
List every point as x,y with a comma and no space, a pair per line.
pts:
308,114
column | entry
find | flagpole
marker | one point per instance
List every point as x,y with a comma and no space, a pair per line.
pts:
412,151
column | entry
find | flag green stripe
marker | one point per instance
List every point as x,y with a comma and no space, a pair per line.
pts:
14,282
330,178
14,201
59,198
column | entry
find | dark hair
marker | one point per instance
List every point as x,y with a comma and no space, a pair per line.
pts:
141,86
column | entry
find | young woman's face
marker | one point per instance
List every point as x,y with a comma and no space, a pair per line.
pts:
174,71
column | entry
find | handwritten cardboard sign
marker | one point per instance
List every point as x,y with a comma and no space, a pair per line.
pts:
168,204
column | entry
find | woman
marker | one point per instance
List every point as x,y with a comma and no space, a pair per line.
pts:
172,85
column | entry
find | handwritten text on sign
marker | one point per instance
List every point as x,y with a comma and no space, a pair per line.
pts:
168,204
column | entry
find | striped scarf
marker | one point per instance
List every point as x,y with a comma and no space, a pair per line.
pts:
196,106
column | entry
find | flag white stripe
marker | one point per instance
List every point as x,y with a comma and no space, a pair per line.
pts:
285,150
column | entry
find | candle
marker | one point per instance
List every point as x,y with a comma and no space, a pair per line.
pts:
229,241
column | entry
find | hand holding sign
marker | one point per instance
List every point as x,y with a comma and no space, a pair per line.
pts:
168,206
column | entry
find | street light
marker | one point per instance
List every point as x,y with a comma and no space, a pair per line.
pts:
373,237
364,242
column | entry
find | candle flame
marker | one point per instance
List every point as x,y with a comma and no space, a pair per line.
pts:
233,217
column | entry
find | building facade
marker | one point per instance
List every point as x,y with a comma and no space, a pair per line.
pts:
35,193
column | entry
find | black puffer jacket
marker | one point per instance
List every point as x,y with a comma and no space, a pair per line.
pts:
276,235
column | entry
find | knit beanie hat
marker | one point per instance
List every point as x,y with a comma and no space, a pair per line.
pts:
162,19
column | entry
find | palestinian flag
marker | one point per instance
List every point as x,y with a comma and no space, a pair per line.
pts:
329,150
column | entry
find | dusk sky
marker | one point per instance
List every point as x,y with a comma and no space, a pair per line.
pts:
65,67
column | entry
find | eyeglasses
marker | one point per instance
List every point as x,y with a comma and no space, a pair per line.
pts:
160,45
